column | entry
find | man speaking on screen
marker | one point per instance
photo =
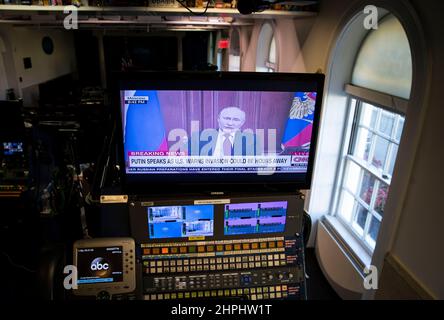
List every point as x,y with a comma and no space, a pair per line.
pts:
228,140
230,121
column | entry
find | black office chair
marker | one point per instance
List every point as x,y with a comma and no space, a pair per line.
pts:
50,273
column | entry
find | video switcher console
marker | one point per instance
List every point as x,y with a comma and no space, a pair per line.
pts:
247,248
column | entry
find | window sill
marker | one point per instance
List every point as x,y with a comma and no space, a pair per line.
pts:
356,252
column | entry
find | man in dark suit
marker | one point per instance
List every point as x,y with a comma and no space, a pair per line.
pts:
228,140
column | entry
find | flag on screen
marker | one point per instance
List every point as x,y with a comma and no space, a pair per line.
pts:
144,128
297,134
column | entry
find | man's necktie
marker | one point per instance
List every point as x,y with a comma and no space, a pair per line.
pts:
227,145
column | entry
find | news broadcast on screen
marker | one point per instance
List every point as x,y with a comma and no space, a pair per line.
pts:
215,131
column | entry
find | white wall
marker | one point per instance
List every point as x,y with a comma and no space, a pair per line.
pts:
339,270
290,57
27,42
419,238
9,76
414,216
3,80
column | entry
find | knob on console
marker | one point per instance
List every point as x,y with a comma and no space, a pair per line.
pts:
103,295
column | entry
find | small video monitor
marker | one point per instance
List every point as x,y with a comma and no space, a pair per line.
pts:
105,264
255,218
180,221
12,148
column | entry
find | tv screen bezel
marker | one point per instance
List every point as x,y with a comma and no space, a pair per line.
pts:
243,81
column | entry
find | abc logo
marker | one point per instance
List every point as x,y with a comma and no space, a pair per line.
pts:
100,267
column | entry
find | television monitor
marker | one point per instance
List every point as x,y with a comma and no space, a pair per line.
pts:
104,264
101,264
216,129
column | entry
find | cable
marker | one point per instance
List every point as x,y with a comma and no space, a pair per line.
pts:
12,263
90,200
195,13
83,221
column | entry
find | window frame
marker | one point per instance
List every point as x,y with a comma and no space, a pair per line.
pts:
351,124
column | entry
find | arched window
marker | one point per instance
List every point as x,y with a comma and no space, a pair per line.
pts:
384,62
234,56
266,50
378,94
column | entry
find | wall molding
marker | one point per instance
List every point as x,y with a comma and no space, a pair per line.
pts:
398,283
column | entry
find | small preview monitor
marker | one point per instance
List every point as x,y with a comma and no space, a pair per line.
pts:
180,221
101,267
166,220
255,218
100,264
12,148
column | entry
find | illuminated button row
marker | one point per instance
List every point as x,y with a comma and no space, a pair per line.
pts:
272,292
212,242
214,264
212,248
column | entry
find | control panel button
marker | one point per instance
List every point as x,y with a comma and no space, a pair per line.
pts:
103,295
220,268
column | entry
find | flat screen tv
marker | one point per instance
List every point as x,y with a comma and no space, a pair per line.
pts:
218,131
